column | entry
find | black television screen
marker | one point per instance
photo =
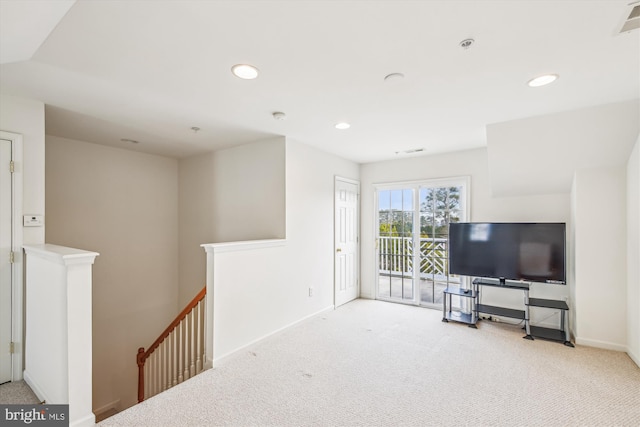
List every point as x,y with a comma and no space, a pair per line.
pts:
533,252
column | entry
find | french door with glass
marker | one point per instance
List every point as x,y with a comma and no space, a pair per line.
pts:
412,231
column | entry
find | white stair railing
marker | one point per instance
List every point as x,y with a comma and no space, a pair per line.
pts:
177,354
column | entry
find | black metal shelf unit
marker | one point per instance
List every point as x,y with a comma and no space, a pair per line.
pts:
502,311
458,316
561,334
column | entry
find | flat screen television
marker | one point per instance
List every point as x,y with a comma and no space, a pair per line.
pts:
532,252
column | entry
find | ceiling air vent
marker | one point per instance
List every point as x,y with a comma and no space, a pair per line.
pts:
633,21
415,150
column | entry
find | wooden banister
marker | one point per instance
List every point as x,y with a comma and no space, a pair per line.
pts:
143,355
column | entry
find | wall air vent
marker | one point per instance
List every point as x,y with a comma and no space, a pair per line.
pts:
633,21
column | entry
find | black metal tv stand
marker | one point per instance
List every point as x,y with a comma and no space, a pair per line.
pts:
503,311
561,334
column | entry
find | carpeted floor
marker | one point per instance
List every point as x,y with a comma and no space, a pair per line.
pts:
371,363
17,393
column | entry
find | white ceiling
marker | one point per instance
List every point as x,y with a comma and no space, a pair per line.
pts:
151,70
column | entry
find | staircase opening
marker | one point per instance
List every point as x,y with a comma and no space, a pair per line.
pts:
177,354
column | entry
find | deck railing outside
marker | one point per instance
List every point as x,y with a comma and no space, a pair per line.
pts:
396,256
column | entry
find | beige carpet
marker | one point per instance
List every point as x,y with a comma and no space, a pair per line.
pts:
371,363
17,393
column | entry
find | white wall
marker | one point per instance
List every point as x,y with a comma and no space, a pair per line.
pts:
124,205
26,117
540,154
310,216
196,222
249,191
633,254
260,291
484,207
600,258
229,195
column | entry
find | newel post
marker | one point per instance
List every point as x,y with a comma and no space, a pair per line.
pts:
140,360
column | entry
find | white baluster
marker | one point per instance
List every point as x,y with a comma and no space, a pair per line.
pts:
192,342
152,373
174,337
169,362
185,348
165,365
198,309
146,378
157,363
180,358
204,338
160,363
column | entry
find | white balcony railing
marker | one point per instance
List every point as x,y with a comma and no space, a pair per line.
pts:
396,257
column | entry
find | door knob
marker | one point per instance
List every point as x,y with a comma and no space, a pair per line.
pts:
338,250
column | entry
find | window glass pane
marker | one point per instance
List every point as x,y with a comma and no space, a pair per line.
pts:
384,200
453,198
407,200
455,216
426,224
440,196
396,200
426,200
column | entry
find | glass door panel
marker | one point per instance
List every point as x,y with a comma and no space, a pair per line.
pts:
395,244
412,241
439,206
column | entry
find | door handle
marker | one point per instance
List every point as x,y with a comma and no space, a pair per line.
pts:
338,250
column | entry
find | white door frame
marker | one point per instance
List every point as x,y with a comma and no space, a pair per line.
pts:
335,243
416,185
17,288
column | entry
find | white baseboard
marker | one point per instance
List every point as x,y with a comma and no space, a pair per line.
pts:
87,421
601,344
35,387
633,357
220,359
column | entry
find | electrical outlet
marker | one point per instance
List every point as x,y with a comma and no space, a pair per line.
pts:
310,291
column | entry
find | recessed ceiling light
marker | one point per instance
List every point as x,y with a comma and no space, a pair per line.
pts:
343,126
543,80
245,71
279,115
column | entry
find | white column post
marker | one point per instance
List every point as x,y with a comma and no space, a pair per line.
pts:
209,300
59,339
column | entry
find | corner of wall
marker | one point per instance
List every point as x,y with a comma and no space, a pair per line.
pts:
633,254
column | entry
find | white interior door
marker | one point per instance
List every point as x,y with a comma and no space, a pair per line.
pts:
347,273
5,265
